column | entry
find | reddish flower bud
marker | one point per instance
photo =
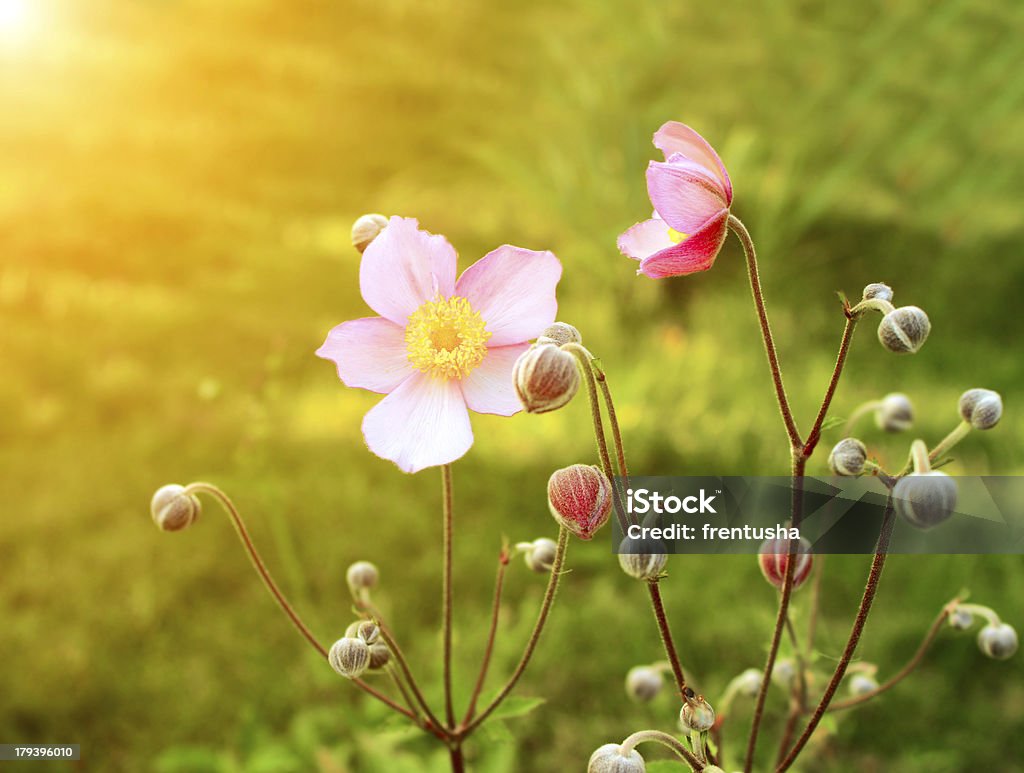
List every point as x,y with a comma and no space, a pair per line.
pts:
580,498
773,558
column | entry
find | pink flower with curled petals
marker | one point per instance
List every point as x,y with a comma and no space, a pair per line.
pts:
691,194
440,346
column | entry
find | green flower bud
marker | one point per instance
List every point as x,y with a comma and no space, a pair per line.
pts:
961,619
862,684
560,333
696,713
895,414
349,656
643,683
642,559
172,509
610,758
877,290
904,330
981,408
848,457
361,577
998,642
539,554
379,655
545,378
925,499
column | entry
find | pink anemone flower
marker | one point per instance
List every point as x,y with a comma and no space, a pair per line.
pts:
439,346
691,194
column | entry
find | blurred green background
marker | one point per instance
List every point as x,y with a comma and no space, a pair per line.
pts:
179,178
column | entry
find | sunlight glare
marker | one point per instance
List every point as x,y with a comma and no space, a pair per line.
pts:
13,15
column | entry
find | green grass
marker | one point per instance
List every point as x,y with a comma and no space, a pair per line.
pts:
179,180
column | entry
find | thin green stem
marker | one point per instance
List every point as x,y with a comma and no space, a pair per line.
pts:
870,589
766,331
499,582
446,593
673,743
861,410
531,644
945,445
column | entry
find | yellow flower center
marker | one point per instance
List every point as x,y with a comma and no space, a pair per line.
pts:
445,338
677,236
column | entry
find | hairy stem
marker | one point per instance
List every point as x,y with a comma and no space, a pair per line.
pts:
766,331
499,582
664,739
870,589
844,347
654,590
531,644
446,593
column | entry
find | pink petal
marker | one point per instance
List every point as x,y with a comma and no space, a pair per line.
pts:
423,423
685,200
645,239
675,137
514,291
697,253
370,353
404,267
488,389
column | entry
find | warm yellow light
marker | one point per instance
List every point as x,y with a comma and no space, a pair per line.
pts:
13,15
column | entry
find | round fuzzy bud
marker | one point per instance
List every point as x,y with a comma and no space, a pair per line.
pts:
368,631
560,333
366,229
353,629
580,498
961,619
540,555
643,683
173,509
862,684
610,758
925,499
362,576
748,684
349,656
379,656
904,330
848,457
545,378
877,290
642,559
696,714
982,408
773,558
895,413
998,642
784,672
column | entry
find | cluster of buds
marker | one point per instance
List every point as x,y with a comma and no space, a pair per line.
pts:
773,558
580,498
996,639
902,330
358,650
546,376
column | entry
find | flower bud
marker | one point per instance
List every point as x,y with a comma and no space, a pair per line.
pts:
998,642
904,330
540,554
748,684
783,672
366,229
643,683
379,655
361,576
172,509
925,499
560,333
960,619
895,414
368,631
349,656
982,408
696,713
580,498
862,684
877,290
545,378
848,457
642,559
611,758
773,558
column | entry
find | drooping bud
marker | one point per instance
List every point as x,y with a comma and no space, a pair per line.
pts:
998,642
643,683
349,656
173,509
848,457
895,413
904,330
366,229
539,554
612,758
361,577
961,619
773,558
696,713
862,684
642,559
877,290
981,408
580,498
560,333
545,378
925,499
379,655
